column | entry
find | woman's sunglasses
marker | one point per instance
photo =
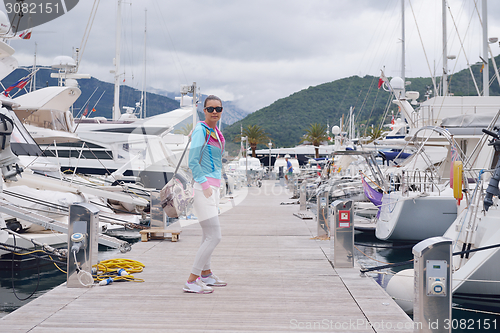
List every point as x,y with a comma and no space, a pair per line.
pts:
211,109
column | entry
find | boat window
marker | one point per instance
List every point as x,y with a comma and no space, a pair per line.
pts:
51,119
86,154
78,144
21,141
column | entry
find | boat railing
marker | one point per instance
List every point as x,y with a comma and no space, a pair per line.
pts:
424,117
414,181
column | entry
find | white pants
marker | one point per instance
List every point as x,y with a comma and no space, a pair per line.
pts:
207,211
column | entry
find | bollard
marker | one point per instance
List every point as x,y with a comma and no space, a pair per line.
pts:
302,196
281,176
295,185
158,218
433,291
323,215
342,240
82,244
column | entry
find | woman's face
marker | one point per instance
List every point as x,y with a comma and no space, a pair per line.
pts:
213,117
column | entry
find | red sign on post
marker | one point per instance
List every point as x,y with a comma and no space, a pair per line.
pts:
344,219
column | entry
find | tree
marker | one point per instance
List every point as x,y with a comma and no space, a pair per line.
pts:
375,133
186,130
315,134
255,136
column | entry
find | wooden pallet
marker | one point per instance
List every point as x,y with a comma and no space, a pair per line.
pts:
154,233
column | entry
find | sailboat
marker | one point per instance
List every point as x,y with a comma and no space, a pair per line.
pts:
405,216
475,235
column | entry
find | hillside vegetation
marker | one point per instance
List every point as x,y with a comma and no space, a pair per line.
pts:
286,120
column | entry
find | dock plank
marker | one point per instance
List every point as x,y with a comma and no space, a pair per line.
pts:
279,280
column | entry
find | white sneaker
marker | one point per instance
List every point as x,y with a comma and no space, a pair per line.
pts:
213,280
197,286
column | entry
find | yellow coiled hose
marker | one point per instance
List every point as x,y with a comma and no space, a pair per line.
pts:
109,269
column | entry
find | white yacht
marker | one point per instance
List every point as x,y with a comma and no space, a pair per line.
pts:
143,150
418,202
476,229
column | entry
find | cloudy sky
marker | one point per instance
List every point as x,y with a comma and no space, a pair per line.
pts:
255,52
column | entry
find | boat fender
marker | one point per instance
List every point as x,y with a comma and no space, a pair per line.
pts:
400,288
457,180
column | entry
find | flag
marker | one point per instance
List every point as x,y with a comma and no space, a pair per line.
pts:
382,79
93,109
373,195
86,110
392,121
482,67
19,84
26,34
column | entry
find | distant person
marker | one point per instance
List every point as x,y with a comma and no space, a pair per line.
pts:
205,162
289,168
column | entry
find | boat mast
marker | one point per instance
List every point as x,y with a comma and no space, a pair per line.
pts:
195,105
143,93
33,80
351,123
444,80
116,104
486,75
403,41
403,54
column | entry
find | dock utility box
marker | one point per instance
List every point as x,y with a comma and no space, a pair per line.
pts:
159,233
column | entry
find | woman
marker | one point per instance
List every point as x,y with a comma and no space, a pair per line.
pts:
205,162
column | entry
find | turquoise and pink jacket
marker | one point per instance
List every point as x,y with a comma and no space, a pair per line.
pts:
208,144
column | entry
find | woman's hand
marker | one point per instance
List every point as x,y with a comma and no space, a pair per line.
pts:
207,192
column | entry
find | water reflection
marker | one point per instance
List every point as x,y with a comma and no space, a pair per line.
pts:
465,317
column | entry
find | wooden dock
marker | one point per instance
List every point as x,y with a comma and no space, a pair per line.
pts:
279,280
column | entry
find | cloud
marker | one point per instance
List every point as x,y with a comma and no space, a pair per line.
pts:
255,52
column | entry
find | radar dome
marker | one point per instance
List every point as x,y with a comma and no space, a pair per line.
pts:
336,130
397,83
398,86
63,62
4,23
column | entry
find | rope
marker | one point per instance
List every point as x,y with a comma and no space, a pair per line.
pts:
425,53
475,250
477,311
363,174
111,269
12,277
387,263
386,247
371,269
86,34
462,49
9,247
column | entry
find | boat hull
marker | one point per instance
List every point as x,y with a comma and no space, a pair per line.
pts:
414,219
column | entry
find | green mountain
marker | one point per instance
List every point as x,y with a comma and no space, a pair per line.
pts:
286,120
157,101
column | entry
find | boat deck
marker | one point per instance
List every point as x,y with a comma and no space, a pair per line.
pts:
279,280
